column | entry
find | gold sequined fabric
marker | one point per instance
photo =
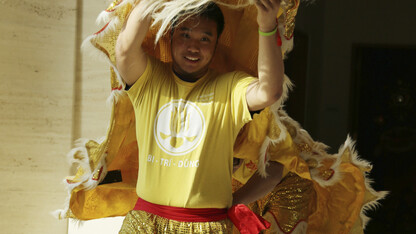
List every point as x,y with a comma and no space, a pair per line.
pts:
236,185
113,5
291,202
305,148
291,9
138,221
107,38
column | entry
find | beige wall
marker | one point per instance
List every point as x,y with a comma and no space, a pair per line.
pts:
49,95
94,80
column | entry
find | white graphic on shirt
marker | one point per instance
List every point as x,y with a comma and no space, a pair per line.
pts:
179,127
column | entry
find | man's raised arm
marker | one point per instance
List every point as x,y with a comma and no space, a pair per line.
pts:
131,60
269,87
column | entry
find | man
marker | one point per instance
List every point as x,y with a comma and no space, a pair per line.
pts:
188,117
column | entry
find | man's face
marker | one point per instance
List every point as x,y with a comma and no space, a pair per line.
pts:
193,46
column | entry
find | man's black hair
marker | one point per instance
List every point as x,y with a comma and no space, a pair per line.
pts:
211,11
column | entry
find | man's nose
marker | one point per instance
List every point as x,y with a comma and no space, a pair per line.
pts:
193,46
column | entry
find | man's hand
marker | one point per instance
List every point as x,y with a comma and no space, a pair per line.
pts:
257,187
266,14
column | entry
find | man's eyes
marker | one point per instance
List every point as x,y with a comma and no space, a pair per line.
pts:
205,39
185,35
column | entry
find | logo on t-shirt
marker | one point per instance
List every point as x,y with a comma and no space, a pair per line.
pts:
179,127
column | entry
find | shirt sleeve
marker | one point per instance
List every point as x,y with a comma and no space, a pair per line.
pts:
240,112
136,90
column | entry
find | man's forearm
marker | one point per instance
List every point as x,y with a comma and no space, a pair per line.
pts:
257,186
270,64
135,29
269,87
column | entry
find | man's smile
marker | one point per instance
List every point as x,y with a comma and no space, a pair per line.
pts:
192,58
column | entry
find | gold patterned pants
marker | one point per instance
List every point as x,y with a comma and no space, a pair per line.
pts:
138,221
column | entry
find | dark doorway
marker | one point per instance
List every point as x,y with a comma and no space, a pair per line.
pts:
383,121
296,65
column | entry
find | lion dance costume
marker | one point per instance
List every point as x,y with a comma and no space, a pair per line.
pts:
319,192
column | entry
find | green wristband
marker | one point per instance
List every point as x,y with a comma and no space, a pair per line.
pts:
268,33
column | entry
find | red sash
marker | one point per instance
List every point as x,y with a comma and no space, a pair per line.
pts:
242,217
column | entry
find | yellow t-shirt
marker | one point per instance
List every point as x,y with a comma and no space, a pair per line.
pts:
185,134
